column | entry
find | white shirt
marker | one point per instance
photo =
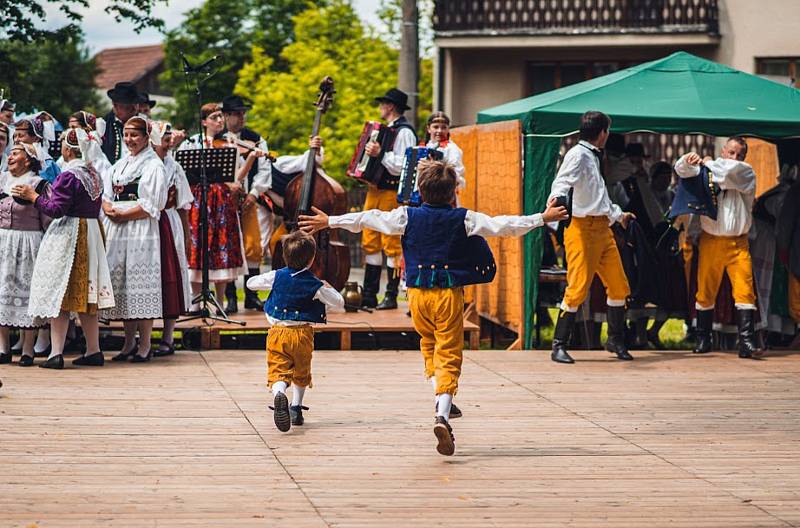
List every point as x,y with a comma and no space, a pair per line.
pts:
581,170
394,222
262,181
327,295
452,154
152,186
737,182
393,161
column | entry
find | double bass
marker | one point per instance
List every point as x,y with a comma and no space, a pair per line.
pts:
315,188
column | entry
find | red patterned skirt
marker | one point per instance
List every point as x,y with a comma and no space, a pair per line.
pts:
172,303
224,236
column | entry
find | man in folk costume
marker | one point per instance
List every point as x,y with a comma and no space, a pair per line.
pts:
256,220
729,184
589,243
125,100
788,248
383,196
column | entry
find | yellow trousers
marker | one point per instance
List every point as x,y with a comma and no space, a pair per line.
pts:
438,315
591,250
289,350
717,255
251,232
373,241
794,297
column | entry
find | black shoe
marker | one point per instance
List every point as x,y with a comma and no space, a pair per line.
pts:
564,324
392,288
142,359
444,434
653,339
92,360
55,362
747,346
25,361
45,352
455,412
280,415
705,319
372,280
5,358
124,356
232,306
168,351
296,414
616,332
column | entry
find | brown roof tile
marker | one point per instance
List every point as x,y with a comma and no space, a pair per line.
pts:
126,64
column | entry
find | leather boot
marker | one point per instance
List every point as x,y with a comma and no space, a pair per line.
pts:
702,334
372,282
230,294
564,324
251,300
616,332
392,287
747,345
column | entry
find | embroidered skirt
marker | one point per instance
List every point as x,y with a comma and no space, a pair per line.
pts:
18,251
172,302
225,246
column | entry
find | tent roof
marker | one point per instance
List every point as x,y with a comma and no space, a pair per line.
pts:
679,94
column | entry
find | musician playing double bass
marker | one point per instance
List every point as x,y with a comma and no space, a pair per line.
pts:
383,196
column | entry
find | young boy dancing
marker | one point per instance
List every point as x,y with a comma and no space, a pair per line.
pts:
444,252
298,298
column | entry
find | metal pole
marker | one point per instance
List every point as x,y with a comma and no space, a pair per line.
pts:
408,74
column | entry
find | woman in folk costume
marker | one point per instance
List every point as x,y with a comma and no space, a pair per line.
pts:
133,197
95,128
225,245
174,227
71,272
39,130
21,228
437,137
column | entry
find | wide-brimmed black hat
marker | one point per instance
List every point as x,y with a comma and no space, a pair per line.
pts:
397,98
125,93
145,99
234,103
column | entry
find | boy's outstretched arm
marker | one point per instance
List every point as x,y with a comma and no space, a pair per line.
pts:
387,222
262,282
512,225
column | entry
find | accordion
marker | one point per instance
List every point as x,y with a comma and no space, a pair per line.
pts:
363,167
408,190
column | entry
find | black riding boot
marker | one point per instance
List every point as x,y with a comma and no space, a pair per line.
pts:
392,286
372,282
702,333
564,324
747,344
616,332
251,300
230,295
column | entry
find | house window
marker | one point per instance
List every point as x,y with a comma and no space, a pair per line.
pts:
786,69
546,76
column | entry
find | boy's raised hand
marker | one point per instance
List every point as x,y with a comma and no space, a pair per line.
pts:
312,224
553,213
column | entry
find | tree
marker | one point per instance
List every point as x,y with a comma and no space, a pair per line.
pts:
331,41
53,73
23,20
228,29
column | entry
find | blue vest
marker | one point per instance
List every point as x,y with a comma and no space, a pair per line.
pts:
292,297
439,254
696,195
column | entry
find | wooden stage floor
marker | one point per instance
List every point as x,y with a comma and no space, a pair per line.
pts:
670,439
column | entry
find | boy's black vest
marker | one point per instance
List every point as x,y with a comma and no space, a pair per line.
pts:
439,254
292,297
388,180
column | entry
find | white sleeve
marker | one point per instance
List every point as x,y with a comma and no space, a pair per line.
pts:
507,225
393,161
185,198
387,222
331,298
455,157
568,175
152,188
684,170
262,181
616,213
108,187
262,282
732,175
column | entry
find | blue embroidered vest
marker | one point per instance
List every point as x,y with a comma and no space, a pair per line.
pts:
292,297
439,254
696,195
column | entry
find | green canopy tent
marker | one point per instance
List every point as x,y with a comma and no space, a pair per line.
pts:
679,94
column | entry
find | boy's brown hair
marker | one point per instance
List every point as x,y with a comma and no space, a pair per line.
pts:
299,249
437,182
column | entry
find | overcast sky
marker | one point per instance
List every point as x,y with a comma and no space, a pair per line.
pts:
102,31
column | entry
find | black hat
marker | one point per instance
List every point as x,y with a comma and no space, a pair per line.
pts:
635,149
125,93
397,98
145,99
234,103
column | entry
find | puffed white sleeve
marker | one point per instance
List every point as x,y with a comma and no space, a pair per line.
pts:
153,188
184,198
262,181
732,175
387,222
262,282
505,225
568,175
108,187
455,157
684,170
393,160
331,298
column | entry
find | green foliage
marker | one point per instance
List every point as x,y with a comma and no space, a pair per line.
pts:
53,73
23,20
330,41
229,29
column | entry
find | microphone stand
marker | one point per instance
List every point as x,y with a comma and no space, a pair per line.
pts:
206,297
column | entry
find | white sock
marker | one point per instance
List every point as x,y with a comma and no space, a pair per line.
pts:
279,386
297,394
433,382
374,259
18,345
42,340
443,404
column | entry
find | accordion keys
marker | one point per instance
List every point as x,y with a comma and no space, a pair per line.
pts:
408,189
362,166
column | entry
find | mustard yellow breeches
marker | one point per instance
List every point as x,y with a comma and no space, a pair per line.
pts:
373,241
289,350
717,255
